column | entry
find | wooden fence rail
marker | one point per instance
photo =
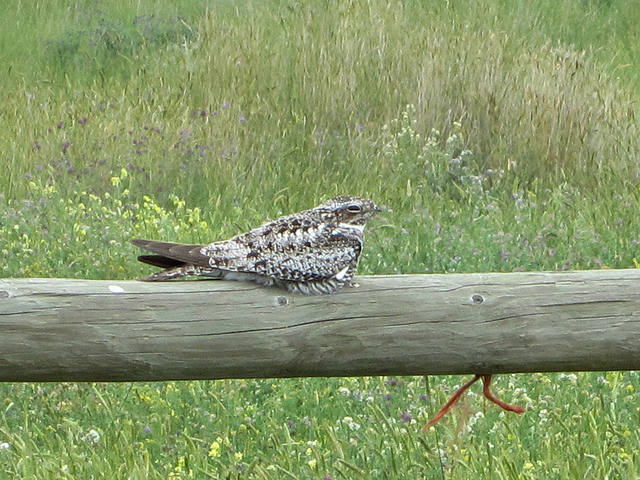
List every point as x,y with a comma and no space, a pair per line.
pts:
90,330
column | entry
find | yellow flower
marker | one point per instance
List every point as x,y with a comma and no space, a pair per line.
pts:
214,449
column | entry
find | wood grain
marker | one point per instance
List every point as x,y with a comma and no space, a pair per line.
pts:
90,330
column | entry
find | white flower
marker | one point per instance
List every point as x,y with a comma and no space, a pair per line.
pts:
91,437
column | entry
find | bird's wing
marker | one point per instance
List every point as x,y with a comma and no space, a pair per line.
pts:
169,255
311,252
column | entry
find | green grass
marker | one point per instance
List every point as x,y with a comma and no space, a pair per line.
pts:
497,137
288,101
576,426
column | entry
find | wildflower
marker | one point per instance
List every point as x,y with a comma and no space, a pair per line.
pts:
292,427
406,417
214,449
92,437
4,446
350,423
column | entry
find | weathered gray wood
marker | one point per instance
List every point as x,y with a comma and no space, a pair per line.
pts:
76,330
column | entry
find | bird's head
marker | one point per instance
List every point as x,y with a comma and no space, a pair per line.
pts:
347,209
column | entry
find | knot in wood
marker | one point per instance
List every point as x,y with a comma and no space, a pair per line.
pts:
477,299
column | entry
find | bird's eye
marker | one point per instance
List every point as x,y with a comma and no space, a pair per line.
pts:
354,208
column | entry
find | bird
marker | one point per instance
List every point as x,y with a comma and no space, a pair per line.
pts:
311,252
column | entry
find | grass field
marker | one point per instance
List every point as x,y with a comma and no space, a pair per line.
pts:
498,137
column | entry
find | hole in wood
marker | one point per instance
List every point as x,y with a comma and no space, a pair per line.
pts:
477,299
282,301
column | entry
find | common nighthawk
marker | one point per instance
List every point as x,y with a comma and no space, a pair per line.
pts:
311,252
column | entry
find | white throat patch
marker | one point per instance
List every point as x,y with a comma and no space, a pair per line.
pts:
348,226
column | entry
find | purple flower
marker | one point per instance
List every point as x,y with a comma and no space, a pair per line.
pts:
147,430
225,105
36,146
27,175
60,125
406,417
242,119
65,147
83,120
